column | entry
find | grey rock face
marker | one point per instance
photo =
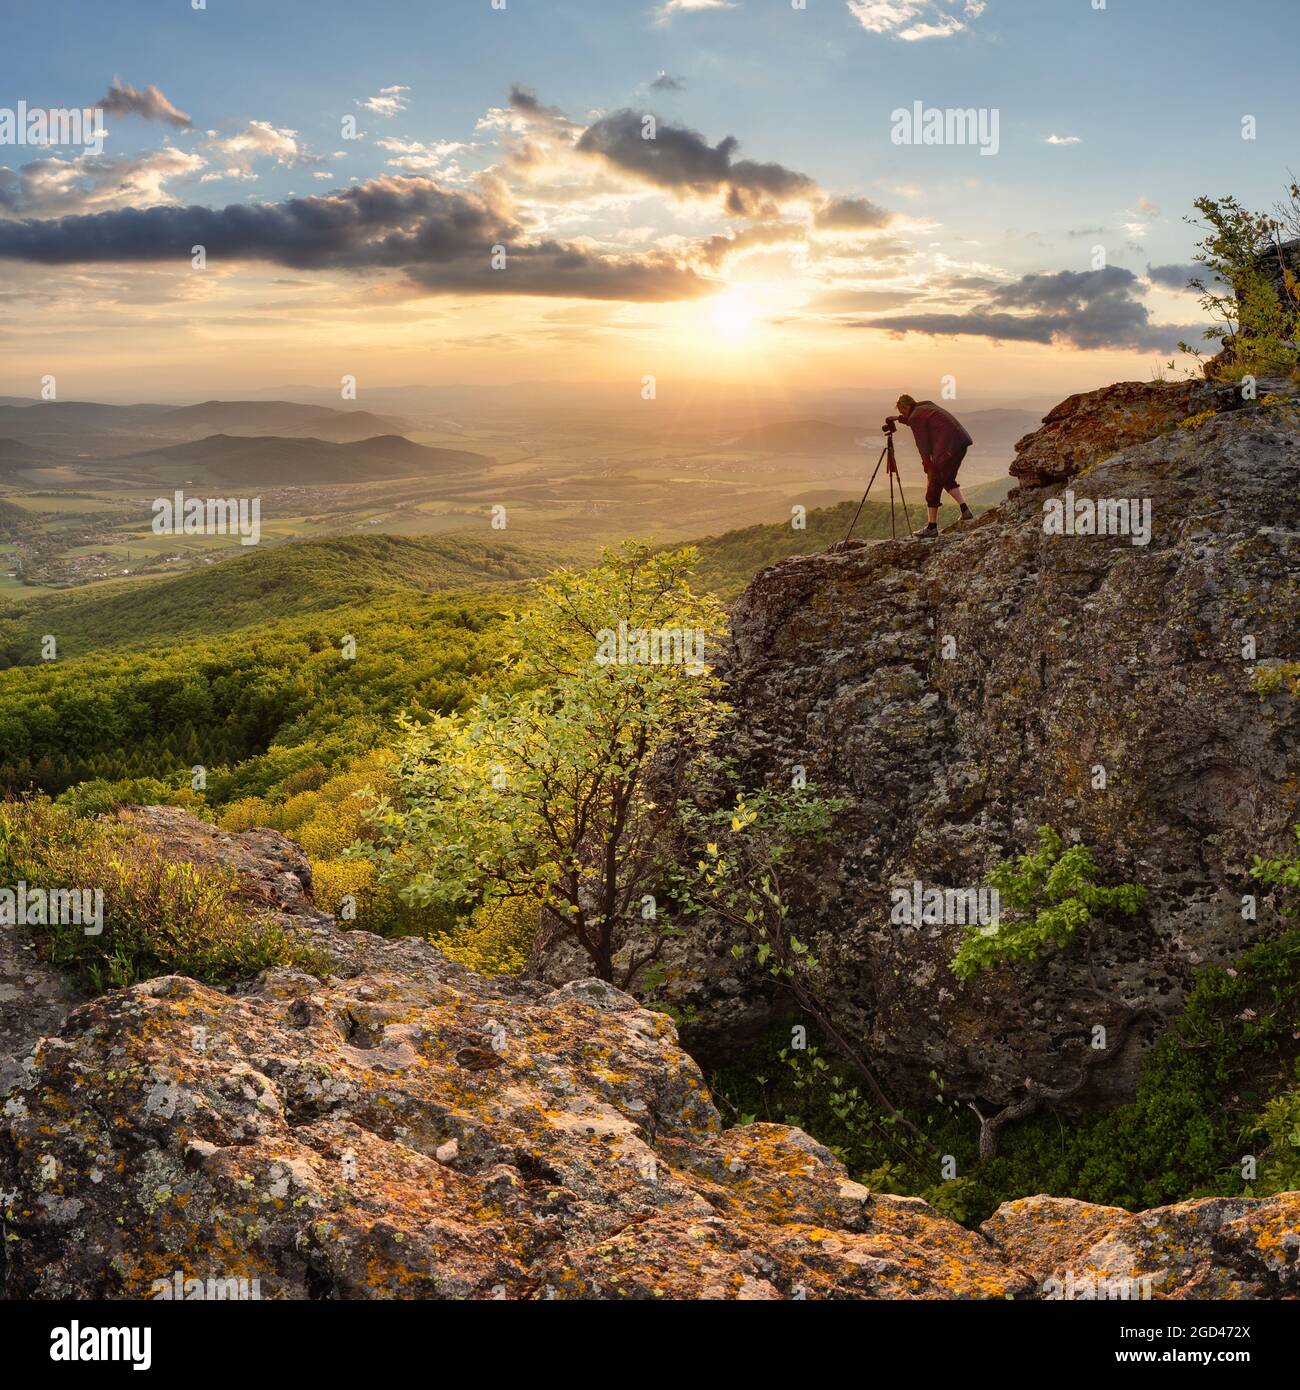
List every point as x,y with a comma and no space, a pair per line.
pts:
959,694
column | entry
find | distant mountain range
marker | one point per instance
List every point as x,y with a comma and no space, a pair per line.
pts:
15,451
285,461
81,429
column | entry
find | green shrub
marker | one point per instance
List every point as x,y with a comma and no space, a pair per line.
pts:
1279,1122
160,917
1222,1076
99,797
1052,894
497,937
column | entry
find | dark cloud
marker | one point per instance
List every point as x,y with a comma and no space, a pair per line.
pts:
1081,309
1005,327
717,249
857,301
968,283
525,99
1175,277
442,240
851,214
124,100
681,159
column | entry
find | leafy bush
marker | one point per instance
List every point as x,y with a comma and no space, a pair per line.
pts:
160,917
98,797
565,790
1280,1123
1053,894
496,939
327,816
1259,326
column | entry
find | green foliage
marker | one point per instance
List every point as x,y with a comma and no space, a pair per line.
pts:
496,939
160,917
259,588
1279,1122
1261,326
740,854
1052,894
255,710
99,797
547,791
1220,1079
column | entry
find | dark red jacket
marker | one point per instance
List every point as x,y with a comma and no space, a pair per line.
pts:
938,435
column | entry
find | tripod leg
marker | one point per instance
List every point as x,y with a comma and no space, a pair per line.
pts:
861,504
903,500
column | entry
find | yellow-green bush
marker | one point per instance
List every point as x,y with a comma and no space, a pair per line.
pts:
160,916
245,814
496,939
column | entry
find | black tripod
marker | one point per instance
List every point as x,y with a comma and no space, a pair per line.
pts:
892,470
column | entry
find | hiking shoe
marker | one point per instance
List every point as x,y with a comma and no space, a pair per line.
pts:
927,533
966,513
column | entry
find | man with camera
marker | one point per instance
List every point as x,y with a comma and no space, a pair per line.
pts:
942,442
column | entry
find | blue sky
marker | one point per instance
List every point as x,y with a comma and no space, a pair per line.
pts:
1149,93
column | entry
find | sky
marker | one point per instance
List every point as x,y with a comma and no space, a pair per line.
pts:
445,191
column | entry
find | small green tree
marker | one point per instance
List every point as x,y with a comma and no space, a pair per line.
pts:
1052,894
564,791
1258,324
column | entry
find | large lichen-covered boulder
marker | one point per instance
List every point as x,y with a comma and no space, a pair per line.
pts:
958,694
1212,1248
398,1127
404,1128
1090,426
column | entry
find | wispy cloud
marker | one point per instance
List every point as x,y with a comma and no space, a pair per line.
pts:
122,99
258,140
92,183
1055,139
671,7
914,20
415,155
390,102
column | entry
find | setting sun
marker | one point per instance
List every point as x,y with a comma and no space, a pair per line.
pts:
733,315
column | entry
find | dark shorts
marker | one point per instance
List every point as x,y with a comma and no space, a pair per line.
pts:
942,473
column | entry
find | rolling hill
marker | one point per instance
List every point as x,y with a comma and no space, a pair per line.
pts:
272,461
256,589
278,418
80,429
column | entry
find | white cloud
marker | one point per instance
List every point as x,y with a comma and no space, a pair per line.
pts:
242,174
390,102
414,155
1064,139
671,7
913,20
259,140
93,183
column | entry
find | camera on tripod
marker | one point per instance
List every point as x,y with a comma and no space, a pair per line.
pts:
888,429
